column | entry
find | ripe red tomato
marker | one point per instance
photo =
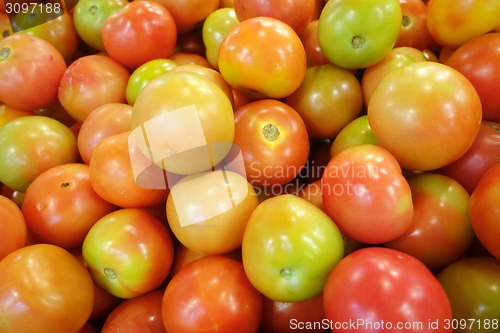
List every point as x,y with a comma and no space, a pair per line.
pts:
414,31
12,227
426,114
376,289
44,289
211,294
273,140
366,195
49,208
139,32
263,57
30,71
129,252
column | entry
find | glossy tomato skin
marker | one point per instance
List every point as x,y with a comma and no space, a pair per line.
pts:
12,227
211,294
357,132
380,289
30,71
366,195
129,252
309,38
485,211
426,114
440,231
289,247
263,57
274,141
414,31
44,288
139,32
479,61
49,208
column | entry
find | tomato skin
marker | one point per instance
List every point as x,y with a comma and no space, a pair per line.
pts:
377,285
414,31
211,294
30,71
139,32
12,227
8,113
44,288
357,132
309,38
485,211
365,183
129,252
426,114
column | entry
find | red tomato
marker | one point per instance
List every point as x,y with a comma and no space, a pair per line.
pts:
376,289
211,294
263,57
139,32
137,315
414,32
479,61
12,227
49,208
30,71
366,195
129,252
426,114
309,38
90,82
104,121
44,288
273,140
485,210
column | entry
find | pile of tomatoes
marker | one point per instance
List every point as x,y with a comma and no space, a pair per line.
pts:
249,166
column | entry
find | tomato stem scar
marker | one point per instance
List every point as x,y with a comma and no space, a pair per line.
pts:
4,53
271,132
357,42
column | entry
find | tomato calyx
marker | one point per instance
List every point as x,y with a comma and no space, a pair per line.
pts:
287,272
271,132
4,53
406,22
358,42
110,273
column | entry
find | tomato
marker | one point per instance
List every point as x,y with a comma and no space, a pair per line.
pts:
186,58
30,145
195,108
414,31
104,121
140,314
30,71
139,32
473,287
273,140
129,252
312,193
452,26
48,208
12,227
479,158
112,175
485,211
357,132
309,38
8,113
214,29
375,289
426,114
296,13
440,231
89,17
263,57
289,247
208,213
328,98
43,288
365,183
90,82
364,31
141,76
479,60
211,294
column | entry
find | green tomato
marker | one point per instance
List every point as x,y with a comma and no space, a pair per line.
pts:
358,33
357,132
289,248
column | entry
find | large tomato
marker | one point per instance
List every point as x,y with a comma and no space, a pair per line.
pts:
30,71
289,248
366,195
426,114
129,252
12,227
211,294
263,57
375,289
358,33
44,289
